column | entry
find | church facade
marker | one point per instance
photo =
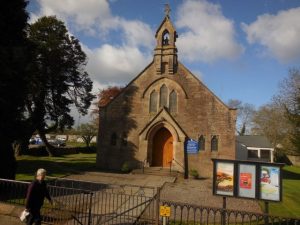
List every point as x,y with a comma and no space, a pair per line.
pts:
150,121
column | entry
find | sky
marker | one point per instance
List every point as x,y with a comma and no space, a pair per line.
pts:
238,49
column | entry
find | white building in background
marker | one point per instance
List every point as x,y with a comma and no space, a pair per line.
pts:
254,148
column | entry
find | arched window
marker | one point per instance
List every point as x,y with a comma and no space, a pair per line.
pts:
153,102
163,101
124,139
201,142
173,102
113,139
214,143
165,38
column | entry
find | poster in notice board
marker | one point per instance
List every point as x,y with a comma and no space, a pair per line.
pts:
224,179
270,183
246,181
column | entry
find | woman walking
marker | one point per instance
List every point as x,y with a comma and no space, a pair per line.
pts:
36,193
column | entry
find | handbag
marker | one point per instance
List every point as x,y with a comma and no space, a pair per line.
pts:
24,215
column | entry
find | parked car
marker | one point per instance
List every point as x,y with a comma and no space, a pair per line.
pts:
57,142
35,141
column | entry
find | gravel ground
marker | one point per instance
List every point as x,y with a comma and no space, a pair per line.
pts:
189,191
199,192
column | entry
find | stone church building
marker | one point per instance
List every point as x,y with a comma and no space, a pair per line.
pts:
165,105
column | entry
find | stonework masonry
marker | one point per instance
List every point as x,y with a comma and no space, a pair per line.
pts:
128,126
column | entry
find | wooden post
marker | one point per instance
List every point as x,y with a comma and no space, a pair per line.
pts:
266,213
223,221
186,167
157,205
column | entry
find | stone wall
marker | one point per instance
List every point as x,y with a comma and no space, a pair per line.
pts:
199,112
295,159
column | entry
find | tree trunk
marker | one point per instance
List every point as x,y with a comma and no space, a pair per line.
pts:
87,140
49,148
8,164
20,146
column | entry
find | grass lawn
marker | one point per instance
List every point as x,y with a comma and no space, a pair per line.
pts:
55,166
290,205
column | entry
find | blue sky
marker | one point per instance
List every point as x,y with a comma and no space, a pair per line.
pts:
239,49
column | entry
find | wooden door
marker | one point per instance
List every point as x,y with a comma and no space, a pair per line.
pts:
162,152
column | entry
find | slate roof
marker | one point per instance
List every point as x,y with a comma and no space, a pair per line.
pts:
254,141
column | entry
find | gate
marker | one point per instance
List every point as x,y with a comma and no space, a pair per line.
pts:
88,203
70,206
84,203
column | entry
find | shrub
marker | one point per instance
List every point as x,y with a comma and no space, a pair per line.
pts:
194,173
125,167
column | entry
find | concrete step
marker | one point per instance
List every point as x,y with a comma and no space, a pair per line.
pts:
158,171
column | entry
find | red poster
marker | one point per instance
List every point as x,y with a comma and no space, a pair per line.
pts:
245,180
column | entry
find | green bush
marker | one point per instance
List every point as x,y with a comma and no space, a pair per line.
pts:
125,167
194,173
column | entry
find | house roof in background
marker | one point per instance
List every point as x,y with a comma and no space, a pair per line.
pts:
254,141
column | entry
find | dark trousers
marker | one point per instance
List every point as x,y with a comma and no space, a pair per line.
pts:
34,217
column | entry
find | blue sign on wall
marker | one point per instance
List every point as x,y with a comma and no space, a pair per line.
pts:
191,146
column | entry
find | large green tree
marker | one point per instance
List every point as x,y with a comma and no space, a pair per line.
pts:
58,79
13,64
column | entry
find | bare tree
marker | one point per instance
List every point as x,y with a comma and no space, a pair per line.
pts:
244,115
279,120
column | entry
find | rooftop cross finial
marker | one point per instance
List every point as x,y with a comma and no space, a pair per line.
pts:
167,9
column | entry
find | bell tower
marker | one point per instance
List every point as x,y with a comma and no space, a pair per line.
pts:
165,52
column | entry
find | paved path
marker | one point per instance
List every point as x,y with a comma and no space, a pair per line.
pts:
9,214
199,192
123,179
191,191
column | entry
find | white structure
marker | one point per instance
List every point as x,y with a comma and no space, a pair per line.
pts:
254,148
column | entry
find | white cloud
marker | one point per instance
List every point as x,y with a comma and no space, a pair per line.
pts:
110,62
85,14
279,34
137,33
208,35
95,18
118,65
115,62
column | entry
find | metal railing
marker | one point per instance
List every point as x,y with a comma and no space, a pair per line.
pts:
115,204
187,214
96,204
69,204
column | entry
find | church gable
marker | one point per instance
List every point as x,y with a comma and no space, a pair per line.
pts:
164,106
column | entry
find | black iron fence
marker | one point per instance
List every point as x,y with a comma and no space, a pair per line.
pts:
88,203
69,204
186,214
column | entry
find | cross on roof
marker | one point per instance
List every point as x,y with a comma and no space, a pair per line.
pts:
167,9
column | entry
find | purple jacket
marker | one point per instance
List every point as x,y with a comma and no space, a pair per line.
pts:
36,193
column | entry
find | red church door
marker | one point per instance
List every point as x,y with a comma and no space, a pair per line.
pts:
162,152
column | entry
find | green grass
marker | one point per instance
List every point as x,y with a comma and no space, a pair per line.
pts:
55,166
290,205
80,144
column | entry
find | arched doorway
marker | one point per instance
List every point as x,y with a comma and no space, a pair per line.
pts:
162,151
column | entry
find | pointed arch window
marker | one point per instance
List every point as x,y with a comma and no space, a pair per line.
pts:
153,101
201,142
166,37
214,143
173,102
113,139
124,139
163,98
